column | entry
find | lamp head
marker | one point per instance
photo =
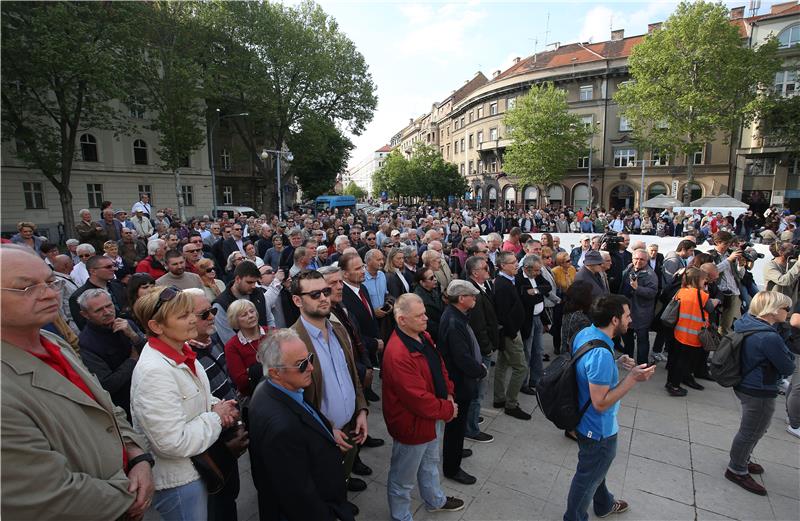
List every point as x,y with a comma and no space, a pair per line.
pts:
264,154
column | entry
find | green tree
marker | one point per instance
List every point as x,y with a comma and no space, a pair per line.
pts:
433,176
394,177
60,72
694,79
546,138
320,152
169,75
780,118
283,64
356,191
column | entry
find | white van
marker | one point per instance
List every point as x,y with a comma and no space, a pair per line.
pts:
245,210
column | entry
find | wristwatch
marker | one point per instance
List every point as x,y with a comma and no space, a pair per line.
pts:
140,458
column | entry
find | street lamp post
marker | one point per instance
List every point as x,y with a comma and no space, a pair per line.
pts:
279,154
641,188
211,155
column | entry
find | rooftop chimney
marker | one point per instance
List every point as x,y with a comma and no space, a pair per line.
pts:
737,13
516,60
777,8
410,121
617,34
653,27
495,74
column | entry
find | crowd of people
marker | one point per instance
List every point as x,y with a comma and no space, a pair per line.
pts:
181,346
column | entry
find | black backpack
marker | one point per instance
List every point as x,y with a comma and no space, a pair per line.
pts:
557,391
726,363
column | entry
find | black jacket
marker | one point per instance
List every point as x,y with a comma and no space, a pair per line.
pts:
455,346
367,324
529,301
483,321
296,465
508,307
227,297
394,286
114,288
108,356
433,308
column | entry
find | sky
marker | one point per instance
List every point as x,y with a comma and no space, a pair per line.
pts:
419,52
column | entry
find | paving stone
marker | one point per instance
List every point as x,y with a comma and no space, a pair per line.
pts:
661,448
521,471
660,479
626,415
778,451
645,506
711,435
780,479
709,460
665,424
705,515
784,508
495,502
716,494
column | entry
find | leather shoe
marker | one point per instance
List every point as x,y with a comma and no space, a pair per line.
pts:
466,453
530,391
463,478
499,405
747,482
359,469
356,485
373,442
518,413
692,384
754,468
354,508
371,396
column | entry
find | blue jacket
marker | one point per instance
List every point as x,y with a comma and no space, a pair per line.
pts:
765,357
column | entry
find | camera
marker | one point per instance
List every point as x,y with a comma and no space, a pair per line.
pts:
749,253
610,241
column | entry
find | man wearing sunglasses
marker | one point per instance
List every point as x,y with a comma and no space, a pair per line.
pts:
101,276
335,387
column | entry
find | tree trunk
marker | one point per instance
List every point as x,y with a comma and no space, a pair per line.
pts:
65,197
179,195
687,190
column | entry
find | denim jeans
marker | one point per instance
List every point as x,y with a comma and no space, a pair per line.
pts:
756,416
474,412
410,462
589,483
184,503
534,351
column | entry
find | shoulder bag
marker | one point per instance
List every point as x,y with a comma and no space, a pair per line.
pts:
709,335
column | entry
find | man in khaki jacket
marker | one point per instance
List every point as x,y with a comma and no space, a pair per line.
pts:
63,443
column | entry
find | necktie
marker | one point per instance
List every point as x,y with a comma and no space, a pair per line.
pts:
365,301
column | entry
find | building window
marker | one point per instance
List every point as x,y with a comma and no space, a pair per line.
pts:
146,189
139,152
135,108
461,168
34,196
760,166
88,148
794,165
461,122
697,157
480,167
586,93
471,168
656,189
493,109
187,194
624,124
493,165
492,134
455,146
225,159
587,121
469,116
786,83
95,195
462,145
624,157
470,141
659,158
479,112
583,161
184,162
511,103
227,195
448,151
789,37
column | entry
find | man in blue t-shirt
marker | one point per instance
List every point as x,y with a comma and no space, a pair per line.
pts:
598,382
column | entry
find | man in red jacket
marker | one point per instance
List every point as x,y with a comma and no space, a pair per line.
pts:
417,401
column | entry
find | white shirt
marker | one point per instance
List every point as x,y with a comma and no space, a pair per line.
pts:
79,274
144,207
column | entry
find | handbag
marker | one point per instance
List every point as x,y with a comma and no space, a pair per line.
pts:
709,336
217,463
669,317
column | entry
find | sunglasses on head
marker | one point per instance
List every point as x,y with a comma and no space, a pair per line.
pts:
166,295
302,366
317,293
206,313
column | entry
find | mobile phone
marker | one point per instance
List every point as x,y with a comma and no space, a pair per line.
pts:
386,307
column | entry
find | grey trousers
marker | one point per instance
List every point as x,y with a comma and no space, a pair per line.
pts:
756,416
793,396
511,357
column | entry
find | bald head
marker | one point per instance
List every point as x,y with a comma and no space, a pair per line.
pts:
63,264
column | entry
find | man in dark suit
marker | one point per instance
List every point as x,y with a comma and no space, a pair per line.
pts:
296,463
592,273
217,249
356,300
656,262
510,315
235,242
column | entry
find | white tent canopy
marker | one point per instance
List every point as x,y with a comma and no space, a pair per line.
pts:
661,201
719,201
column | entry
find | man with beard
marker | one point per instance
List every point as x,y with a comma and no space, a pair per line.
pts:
177,275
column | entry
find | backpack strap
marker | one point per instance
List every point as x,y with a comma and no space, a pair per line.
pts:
585,348
741,353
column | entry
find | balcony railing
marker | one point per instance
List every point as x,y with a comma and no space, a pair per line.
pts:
493,144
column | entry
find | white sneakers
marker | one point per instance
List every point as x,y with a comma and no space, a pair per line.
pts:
793,432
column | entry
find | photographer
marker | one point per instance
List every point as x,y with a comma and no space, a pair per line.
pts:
621,258
778,273
730,264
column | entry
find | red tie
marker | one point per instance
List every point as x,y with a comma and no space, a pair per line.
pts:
364,301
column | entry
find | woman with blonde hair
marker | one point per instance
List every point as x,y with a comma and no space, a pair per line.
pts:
396,283
241,349
234,259
765,359
212,286
563,272
172,404
26,235
687,350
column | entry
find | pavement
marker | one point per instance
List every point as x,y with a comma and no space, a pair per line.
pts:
671,457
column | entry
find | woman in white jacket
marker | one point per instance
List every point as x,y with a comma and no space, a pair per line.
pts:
172,405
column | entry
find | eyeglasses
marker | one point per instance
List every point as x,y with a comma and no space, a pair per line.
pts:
37,290
237,229
430,279
317,293
209,270
194,250
106,267
302,366
210,312
166,295
85,255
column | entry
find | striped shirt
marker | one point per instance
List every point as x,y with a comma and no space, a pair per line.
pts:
212,358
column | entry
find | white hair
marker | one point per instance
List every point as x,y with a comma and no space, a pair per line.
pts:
340,239
270,353
154,245
89,294
87,248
